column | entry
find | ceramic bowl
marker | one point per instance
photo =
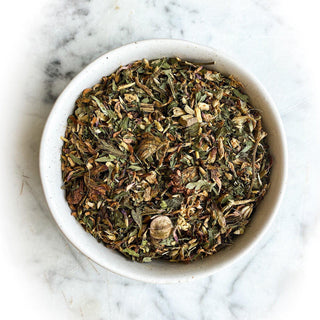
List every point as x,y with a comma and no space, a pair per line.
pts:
159,271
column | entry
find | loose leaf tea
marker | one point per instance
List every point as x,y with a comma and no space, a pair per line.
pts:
165,159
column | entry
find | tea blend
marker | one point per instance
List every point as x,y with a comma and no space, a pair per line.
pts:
165,159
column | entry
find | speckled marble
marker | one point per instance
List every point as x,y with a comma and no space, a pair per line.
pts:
66,38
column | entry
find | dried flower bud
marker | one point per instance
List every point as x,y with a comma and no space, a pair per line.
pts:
161,227
148,146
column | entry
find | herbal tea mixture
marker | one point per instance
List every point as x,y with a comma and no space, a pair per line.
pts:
165,159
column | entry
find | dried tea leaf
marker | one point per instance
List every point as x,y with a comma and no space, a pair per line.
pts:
165,159
200,184
112,150
147,259
130,252
76,160
106,159
240,95
174,203
193,130
109,113
136,215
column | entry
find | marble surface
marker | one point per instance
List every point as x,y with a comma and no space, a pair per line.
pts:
42,274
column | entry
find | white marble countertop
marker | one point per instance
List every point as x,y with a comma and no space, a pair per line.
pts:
47,43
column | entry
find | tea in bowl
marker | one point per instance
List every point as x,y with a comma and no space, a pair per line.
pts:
164,158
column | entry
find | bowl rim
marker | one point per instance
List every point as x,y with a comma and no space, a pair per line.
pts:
277,201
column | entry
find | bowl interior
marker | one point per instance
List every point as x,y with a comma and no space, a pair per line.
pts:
51,144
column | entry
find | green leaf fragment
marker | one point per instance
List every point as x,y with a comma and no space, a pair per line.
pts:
203,97
201,184
198,96
147,259
248,146
76,159
114,86
106,159
111,149
131,252
121,195
163,204
174,203
124,123
109,113
193,130
136,215
240,95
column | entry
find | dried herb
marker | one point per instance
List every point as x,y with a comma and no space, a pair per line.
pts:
165,159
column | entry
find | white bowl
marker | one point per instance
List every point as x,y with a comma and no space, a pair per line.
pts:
159,271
